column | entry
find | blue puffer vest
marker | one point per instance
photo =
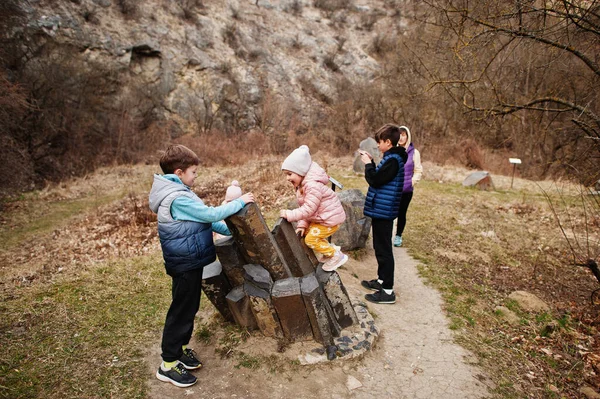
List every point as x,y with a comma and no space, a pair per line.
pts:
383,202
186,245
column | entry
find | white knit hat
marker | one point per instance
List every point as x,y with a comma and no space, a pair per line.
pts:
298,161
234,191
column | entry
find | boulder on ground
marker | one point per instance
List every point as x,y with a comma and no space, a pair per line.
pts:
370,145
529,302
353,233
481,180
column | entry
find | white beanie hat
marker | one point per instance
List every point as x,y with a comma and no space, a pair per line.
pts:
298,161
234,191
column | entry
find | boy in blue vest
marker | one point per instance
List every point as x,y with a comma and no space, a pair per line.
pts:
381,205
185,227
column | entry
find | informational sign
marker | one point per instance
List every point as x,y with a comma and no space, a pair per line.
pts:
335,183
515,162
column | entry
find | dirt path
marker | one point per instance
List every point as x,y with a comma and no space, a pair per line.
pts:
414,357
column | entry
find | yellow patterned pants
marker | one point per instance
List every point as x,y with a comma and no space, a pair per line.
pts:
316,238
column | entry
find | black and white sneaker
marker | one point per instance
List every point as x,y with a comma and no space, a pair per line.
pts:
372,285
381,297
189,359
176,375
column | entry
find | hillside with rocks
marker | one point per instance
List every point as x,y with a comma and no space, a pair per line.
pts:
89,83
222,60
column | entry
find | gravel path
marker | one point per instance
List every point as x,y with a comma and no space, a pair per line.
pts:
415,356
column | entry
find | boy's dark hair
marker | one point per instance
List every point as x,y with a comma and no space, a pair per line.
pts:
388,132
178,156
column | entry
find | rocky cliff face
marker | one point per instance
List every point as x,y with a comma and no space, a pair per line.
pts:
222,64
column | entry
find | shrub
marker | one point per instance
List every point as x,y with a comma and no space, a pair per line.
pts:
129,8
332,5
230,35
190,7
294,7
329,62
473,157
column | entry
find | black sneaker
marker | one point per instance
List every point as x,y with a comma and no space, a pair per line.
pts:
176,375
372,285
381,297
189,359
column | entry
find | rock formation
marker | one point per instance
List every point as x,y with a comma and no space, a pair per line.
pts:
268,282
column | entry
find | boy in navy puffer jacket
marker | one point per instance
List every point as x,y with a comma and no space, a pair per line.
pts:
185,227
381,205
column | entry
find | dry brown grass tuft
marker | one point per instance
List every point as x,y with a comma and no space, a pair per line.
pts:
476,248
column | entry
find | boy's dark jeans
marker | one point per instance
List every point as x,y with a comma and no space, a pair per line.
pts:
382,244
185,303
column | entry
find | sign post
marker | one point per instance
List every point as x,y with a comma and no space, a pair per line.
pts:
334,184
515,162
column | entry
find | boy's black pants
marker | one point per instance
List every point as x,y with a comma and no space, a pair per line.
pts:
185,303
382,244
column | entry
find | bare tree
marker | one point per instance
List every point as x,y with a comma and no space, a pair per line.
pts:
579,223
204,109
536,57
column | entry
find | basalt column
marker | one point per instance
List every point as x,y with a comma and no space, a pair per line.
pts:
283,290
256,241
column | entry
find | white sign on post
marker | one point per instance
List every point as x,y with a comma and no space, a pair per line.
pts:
515,162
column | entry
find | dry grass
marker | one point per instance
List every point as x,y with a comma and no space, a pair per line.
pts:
477,247
64,276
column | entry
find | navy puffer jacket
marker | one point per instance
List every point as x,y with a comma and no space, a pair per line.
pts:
186,245
383,202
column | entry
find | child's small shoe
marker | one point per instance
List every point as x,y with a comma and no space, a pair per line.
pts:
337,260
398,241
322,258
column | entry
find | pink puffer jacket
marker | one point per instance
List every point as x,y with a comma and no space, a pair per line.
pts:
318,203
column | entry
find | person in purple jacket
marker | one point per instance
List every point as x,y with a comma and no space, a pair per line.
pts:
413,170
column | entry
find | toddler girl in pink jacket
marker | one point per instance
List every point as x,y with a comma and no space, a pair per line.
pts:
320,213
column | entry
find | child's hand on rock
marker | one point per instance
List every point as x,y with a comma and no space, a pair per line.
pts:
247,198
282,213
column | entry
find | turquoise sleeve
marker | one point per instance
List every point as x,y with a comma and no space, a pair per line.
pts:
184,208
221,228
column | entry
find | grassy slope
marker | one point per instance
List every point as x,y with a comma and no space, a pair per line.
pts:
78,333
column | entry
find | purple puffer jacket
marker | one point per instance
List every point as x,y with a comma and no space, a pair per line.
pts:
409,169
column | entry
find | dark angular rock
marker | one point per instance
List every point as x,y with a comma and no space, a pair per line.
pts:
256,241
354,232
331,352
292,249
216,287
320,351
322,318
287,300
259,276
264,313
231,259
338,297
239,304
344,339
